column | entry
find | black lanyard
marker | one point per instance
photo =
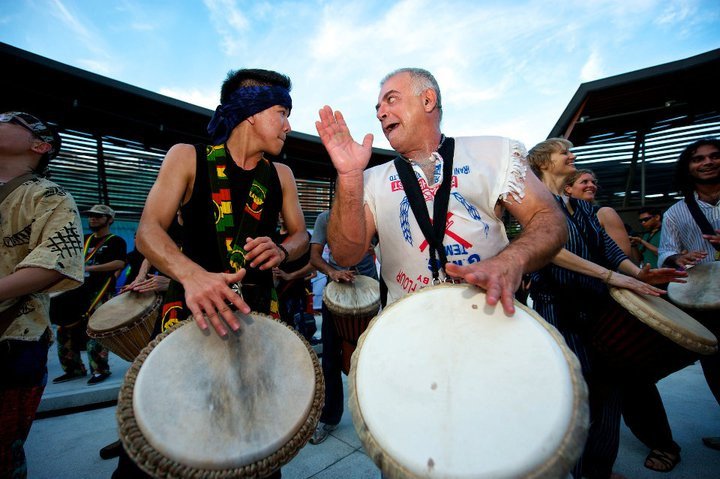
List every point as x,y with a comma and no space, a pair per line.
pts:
434,232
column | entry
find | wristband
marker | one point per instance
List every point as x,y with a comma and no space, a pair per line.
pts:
282,248
609,275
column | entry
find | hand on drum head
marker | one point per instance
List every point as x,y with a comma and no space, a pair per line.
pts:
661,275
688,259
499,278
151,283
208,295
342,275
620,280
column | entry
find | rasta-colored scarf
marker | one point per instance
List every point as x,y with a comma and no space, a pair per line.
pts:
89,254
231,229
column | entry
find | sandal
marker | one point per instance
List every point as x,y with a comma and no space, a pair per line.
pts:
662,461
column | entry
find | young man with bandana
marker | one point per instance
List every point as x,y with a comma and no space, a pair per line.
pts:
230,197
40,252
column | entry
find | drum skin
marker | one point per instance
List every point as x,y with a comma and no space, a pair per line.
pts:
444,386
197,405
124,324
702,290
352,306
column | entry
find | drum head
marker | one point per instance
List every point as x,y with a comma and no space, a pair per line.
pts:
359,297
668,320
444,386
702,290
121,310
216,404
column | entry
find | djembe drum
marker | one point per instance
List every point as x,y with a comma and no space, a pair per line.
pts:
124,324
444,386
194,404
352,306
647,336
702,290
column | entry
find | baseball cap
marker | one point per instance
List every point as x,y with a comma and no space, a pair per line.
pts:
101,210
35,126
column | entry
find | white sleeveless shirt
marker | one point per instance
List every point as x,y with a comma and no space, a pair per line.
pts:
485,170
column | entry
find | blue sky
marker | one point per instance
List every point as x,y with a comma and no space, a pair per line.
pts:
504,67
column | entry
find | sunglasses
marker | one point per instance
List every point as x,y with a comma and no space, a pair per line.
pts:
645,219
38,129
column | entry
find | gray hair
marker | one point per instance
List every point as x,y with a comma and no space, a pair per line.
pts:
421,81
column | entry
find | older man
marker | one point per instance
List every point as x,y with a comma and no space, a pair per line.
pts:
464,182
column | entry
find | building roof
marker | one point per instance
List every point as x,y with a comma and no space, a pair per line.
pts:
683,90
78,100
630,128
115,135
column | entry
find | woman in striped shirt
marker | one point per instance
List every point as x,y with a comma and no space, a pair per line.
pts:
572,291
642,406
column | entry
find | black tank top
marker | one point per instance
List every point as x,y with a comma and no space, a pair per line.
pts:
199,235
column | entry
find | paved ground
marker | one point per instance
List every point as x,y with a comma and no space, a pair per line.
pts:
66,446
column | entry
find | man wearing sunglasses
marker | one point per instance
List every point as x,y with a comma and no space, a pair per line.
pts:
645,246
40,252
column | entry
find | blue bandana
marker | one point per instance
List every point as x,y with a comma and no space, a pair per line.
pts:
243,103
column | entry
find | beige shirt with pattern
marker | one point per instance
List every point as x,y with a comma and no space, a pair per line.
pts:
39,227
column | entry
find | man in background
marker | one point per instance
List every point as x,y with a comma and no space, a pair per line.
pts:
645,246
105,255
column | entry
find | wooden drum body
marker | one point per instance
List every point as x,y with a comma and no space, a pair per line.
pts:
702,290
125,323
647,336
444,386
197,405
352,306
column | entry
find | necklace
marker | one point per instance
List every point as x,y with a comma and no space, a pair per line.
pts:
434,156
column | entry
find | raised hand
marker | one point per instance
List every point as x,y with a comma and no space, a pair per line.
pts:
346,154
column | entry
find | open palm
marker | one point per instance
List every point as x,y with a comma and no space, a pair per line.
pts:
346,154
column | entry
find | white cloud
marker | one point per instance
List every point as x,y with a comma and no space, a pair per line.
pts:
676,12
100,67
91,40
205,98
592,69
231,24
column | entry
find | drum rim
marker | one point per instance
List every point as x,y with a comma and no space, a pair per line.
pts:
336,309
122,328
573,440
621,296
154,463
